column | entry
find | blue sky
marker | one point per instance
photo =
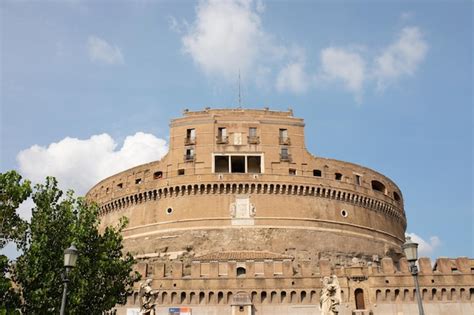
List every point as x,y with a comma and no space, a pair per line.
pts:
87,85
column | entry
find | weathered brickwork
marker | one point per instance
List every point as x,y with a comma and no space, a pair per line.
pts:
240,210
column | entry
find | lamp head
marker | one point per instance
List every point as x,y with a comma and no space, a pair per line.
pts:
410,249
70,256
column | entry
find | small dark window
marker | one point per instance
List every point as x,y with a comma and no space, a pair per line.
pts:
222,135
396,196
189,155
221,164
237,164
138,181
284,154
120,186
107,190
378,186
254,164
158,175
169,210
357,179
283,136
338,176
241,271
181,171
292,171
317,173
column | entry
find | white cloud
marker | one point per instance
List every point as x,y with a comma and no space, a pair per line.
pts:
101,51
227,36
79,164
425,248
338,64
293,78
401,57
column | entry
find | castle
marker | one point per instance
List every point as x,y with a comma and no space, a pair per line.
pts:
239,218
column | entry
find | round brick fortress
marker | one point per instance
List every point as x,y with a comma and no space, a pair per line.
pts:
242,180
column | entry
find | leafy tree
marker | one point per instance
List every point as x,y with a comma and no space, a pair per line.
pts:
12,229
103,275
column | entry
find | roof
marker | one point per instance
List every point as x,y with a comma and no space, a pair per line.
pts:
242,255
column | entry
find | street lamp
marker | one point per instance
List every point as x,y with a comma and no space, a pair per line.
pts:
70,258
411,252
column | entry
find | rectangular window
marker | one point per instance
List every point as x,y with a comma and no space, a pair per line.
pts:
120,186
237,164
357,179
189,154
181,171
292,171
221,164
222,135
253,138
254,164
252,132
284,154
317,173
190,136
284,137
157,175
138,181
338,176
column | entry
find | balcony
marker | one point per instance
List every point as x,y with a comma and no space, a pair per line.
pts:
253,139
189,140
189,157
285,141
285,157
222,139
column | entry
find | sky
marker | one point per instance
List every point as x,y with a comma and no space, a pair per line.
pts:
88,89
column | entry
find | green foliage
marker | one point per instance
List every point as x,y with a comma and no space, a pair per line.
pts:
12,229
12,193
103,275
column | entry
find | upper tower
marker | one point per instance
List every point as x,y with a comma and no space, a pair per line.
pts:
242,180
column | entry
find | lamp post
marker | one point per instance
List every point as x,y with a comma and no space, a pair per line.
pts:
411,252
70,258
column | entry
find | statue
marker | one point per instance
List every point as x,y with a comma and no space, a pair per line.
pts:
147,298
233,210
253,210
330,296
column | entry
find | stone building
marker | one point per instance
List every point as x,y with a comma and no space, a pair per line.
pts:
239,218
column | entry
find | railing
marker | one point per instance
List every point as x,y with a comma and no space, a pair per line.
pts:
222,139
285,140
253,140
189,157
285,157
189,140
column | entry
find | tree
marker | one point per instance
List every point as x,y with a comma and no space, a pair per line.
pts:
13,191
103,276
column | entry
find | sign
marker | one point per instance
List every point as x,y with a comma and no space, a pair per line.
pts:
180,311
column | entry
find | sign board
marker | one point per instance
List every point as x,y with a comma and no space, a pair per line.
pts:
180,311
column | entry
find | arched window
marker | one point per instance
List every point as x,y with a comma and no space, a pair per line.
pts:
396,196
378,186
359,299
241,271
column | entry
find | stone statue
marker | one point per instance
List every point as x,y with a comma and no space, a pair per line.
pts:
147,298
253,210
233,209
330,296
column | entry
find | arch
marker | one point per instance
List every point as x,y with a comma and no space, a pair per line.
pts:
293,297
229,297
303,296
202,297
444,294
359,299
192,298
313,297
174,299
241,271
378,186
283,297
273,297
220,297
253,297
378,295
210,299
263,297
433,294
164,297
182,298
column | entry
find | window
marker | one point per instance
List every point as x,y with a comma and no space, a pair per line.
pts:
357,179
181,171
241,271
284,155
138,181
120,186
222,135
237,164
158,175
396,196
338,176
230,163
292,171
254,164
378,186
253,138
317,173
189,156
284,136
221,164
190,136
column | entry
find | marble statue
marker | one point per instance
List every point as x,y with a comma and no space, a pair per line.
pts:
147,298
330,296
